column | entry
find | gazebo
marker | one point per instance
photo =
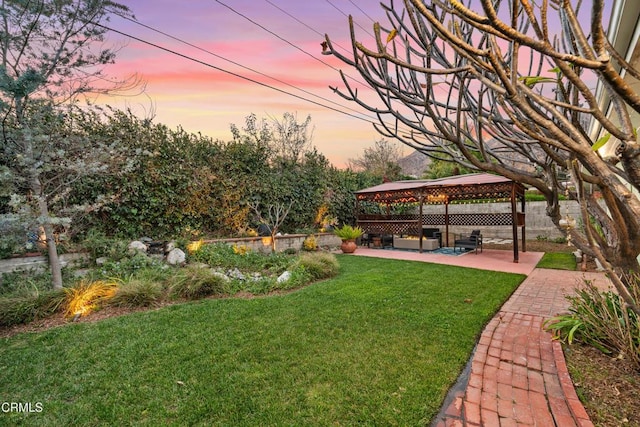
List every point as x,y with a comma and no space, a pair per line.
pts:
471,187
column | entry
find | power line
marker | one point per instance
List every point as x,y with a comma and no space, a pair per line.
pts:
206,64
275,34
240,65
347,15
287,41
363,12
306,25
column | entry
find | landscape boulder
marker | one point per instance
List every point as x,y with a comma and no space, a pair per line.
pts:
137,246
176,257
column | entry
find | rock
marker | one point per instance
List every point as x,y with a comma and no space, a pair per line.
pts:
578,255
198,265
169,246
221,275
81,272
176,257
284,277
138,246
236,274
102,260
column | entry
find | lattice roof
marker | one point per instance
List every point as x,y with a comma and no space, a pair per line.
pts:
462,187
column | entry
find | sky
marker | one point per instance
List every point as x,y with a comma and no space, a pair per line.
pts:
274,42
208,64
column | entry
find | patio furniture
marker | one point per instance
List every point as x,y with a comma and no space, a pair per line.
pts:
472,242
432,233
378,240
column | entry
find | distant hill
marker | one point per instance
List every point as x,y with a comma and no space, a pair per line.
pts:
414,164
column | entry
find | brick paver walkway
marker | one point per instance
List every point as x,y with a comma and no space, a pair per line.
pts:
517,375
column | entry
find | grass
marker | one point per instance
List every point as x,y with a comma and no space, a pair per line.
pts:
558,261
380,344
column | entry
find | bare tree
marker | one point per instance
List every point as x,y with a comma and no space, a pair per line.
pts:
51,52
291,139
513,87
380,160
273,217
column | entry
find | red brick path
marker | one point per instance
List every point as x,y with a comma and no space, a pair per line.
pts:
518,373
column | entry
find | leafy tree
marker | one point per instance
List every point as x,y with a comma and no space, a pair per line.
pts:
441,168
504,88
380,160
52,51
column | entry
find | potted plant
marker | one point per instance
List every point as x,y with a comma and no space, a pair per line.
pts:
348,234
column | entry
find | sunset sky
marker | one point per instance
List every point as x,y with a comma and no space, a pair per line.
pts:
203,99
276,43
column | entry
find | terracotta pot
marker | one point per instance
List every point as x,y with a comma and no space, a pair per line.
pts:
348,246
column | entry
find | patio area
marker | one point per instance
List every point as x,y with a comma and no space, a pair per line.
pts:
488,259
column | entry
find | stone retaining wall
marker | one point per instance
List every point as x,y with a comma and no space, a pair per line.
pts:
288,241
39,262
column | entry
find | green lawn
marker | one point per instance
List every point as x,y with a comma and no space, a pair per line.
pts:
378,345
558,261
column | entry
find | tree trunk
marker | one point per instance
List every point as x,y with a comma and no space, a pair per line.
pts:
52,250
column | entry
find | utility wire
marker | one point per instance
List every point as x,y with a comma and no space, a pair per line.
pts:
206,64
275,34
347,15
363,12
305,24
286,41
240,65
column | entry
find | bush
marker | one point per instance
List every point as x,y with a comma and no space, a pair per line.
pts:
24,283
601,320
129,265
310,243
137,293
319,265
224,256
27,308
99,245
194,283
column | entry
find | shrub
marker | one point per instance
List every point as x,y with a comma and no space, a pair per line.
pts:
99,245
241,249
129,265
27,308
24,283
137,293
602,320
85,296
194,283
224,256
310,243
319,265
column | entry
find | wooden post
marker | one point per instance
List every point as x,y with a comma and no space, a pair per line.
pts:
420,224
524,225
446,221
514,222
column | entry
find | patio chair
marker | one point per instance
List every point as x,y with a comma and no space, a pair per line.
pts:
472,242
